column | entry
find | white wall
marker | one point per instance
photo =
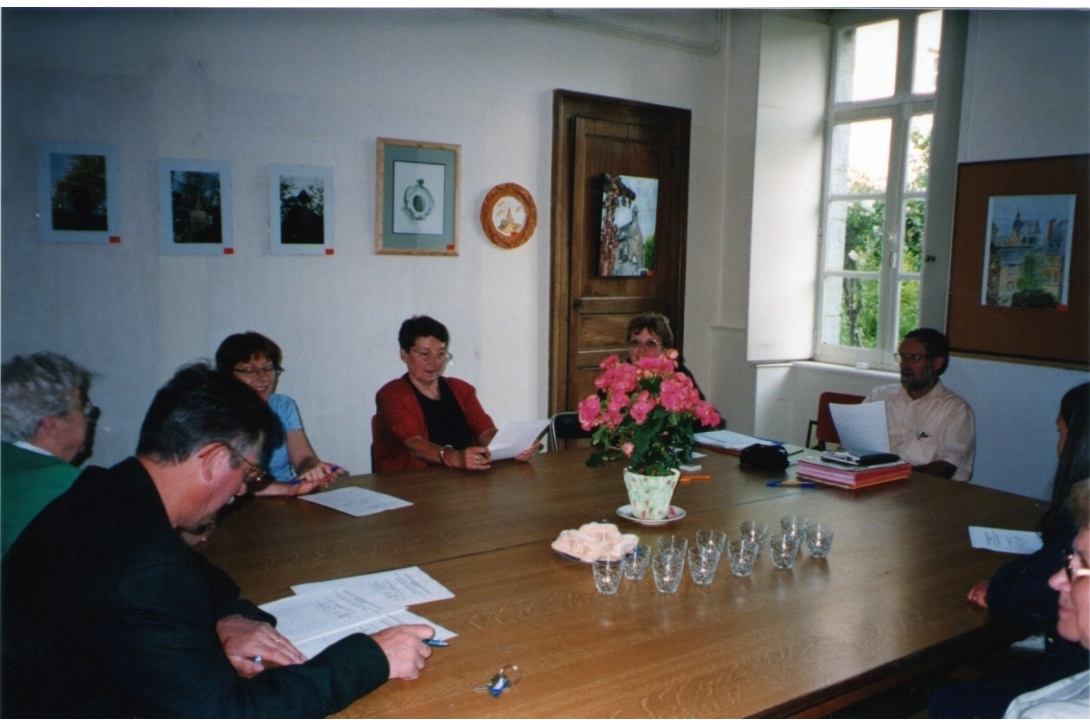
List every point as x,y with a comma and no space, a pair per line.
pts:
265,87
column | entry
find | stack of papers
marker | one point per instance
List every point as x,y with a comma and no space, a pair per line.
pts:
813,469
323,613
727,441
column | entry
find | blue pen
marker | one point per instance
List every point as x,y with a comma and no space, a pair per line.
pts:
790,483
297,480
435,642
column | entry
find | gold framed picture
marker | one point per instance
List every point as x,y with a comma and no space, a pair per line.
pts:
508,215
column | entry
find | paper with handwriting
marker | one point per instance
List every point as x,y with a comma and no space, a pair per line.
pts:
1020,542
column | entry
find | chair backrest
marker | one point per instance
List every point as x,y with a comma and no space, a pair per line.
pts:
565,425
823,429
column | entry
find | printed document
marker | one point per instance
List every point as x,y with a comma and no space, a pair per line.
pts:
356,501
862,426
513,438
1020,542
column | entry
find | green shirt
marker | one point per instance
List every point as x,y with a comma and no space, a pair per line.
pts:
28,482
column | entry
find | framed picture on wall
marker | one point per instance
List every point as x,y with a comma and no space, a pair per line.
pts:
1020,269
77,190
195,207
416,198
301,210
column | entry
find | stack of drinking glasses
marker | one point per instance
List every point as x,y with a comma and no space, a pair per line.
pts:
668,562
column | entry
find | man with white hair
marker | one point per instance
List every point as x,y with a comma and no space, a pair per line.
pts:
46,420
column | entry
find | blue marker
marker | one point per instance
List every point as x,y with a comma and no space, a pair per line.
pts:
790,483
435,642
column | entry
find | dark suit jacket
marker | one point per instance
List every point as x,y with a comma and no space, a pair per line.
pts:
107,613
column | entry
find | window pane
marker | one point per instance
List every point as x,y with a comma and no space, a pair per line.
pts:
850,317
908,308
860,157
925,72
912,250
867,60
919,153
854,235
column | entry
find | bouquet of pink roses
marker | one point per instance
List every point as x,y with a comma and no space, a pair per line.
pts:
645,411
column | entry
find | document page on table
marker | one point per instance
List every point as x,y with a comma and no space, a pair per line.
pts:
356,501
314,646
404,586
1020,542
513,438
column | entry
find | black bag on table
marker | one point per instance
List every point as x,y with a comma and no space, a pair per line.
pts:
764,458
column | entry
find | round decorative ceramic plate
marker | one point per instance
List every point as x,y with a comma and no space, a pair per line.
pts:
675,513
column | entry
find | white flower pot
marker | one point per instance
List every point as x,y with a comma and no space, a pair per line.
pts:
650,494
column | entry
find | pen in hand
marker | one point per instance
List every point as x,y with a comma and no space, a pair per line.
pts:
298,480
435,642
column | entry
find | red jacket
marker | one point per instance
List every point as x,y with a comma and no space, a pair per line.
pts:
400,418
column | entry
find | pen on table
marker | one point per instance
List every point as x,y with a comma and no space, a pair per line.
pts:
297,480
435,642
791,483
693,478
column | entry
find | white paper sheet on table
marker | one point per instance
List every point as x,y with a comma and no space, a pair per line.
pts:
725,439
513,438
325,612
356,501
862,426
1020,542
402,587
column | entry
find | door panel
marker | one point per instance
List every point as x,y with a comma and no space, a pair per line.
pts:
594,136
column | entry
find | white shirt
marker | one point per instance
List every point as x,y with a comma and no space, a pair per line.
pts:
1066,699
937,426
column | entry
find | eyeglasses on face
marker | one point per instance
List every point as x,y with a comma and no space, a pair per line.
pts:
1074,568
252,372
910,357
650,343
254,472
432,356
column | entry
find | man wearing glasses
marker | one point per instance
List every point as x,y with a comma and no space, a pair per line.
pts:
47,420
107,613
929,425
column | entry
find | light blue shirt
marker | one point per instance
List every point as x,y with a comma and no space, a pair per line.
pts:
277,462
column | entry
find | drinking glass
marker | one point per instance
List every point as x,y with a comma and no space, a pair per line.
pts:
794,525
819,538
742,554
755,532
607,576
667,569
636,563
711,539
784,547
666,543
703,563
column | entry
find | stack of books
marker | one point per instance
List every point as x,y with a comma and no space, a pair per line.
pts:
853,470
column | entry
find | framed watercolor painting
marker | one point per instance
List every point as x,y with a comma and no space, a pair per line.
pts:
301,210
195,207
77,190
416,198
1020,269
508,215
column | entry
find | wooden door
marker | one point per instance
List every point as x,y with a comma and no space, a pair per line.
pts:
594,136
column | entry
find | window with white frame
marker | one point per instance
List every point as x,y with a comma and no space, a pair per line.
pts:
884,75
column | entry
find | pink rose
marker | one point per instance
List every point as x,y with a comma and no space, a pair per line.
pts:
589,409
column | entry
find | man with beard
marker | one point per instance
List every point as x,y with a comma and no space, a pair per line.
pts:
929,425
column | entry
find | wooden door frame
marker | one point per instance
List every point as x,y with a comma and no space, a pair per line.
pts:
567,105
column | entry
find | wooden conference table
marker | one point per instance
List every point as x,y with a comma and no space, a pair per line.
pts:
889,600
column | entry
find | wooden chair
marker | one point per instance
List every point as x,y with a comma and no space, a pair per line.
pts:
822,429
564,426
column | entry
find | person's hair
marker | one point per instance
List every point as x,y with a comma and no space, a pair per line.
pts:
1079,502
1074,463
421,327
935,343
199,406
37,386
240,348
656,323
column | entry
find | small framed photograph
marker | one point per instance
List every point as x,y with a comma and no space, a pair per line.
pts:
416,198
301,210
195,207
508,215
77,192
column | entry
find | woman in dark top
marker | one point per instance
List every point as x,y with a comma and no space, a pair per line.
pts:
1019,595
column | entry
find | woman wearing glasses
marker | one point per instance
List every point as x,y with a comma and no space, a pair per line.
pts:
1067,698
425,418
293,467
650,336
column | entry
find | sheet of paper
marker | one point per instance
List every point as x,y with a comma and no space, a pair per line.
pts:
356,501
402,587
862,426
319,613
313,646
725,439
515,437
1020,542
